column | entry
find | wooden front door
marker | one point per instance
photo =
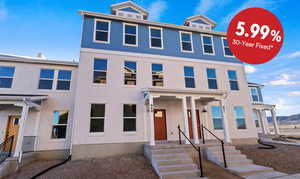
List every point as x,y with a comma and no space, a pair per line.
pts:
160,124
12,129
191,123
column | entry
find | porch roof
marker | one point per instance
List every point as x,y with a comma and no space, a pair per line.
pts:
21,97
261,106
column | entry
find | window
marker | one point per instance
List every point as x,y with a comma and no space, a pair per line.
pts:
157,75
240,117
46,78
208,47
100,71
254,95
60,122
189,77
130,35
233,80
129,116
212,78
226,49
64,80
97,118
102,31
217,117
186,42
16,122
6,76
129,73
156,39
256,118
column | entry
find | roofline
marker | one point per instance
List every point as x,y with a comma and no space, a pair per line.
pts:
255,84
24,59
133,4
151,23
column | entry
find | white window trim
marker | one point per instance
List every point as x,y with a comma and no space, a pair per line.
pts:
104,118
191,35
212,43
108,33
136,35
67,124
136,71
163,72
69,80
55,75
12,77
216,78
123,117
236,118
189,76
223,47
257,94
233,80
161,37
212,118
100,71
133,14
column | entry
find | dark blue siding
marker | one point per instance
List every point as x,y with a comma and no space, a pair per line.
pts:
171,42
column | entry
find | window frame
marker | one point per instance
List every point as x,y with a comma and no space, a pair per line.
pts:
236,80
191,77
54,79
8,77
163,81
257,94
223,47
256,118
123,117
130,73
53,125
208,78
99,58
212,44
136,35
103,118
68,80
237,118
220,118
161,37
181,47
95,30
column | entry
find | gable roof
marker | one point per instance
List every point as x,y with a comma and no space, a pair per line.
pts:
129,4
202,18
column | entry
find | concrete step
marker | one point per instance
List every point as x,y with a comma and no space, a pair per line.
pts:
219,148
180,174
177,167
228,152
166,151
231,157
162,162
266,175
249,169
238,162
169,156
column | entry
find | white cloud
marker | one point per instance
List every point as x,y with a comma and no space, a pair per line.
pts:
294,93
156,9
294,54
3,11
286,107
250,69
284,79
204,6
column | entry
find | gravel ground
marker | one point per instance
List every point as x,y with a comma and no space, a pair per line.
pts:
284,158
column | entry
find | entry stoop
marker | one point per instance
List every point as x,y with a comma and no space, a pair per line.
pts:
238,163
170,161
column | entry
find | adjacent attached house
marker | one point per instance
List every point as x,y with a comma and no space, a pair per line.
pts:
136,81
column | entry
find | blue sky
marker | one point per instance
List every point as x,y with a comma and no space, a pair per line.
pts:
53,27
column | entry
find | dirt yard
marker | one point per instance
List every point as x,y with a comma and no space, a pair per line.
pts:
284,158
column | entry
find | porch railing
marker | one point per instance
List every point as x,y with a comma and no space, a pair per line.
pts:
195,147
6,148
220,140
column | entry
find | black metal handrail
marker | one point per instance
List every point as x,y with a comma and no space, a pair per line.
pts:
195,147
220,140
6,148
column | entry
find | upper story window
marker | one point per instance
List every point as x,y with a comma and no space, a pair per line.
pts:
46,79
60,122
100,71
233,80
6,76
240,117
208,46
97,116
64,80
102,31
130,37
226,50
129,73
212,78
156,37
186,42
255,95
189,77
129,117
157,75
217,117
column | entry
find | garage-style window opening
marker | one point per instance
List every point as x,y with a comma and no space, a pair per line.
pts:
157,75
240,117
97,117
100,71
227,51
233,82
129,117
46,78
189,77
186,42
156,38
217,117
129,73
6,76
102,31
212,78
60,122
64,80
130,34
208,46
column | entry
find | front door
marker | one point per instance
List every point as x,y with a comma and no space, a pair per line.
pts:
160,124
191,123
13,129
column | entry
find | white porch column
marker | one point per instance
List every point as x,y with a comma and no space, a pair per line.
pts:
263,127
22,122
264,118
151,120
225,123
185,119
194,120
276,128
